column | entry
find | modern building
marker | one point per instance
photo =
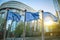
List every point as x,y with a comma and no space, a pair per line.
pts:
14,6
57,7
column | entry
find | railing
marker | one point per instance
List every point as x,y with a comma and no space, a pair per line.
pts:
35,38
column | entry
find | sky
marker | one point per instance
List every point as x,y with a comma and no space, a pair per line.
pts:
45,5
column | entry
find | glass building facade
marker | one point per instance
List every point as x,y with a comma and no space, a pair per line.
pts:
57,7
13,29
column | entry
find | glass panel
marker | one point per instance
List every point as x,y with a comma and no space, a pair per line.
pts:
2,15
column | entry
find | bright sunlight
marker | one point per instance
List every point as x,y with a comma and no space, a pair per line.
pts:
48,21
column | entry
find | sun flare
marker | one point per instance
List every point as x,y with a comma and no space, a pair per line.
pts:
48,21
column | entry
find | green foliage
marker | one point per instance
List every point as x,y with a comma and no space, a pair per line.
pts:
19,29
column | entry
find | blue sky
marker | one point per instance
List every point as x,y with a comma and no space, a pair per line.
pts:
46,5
